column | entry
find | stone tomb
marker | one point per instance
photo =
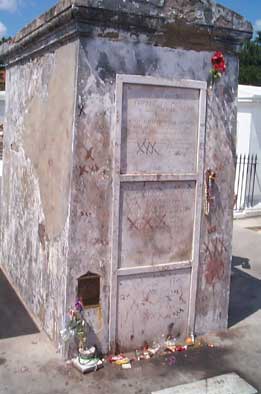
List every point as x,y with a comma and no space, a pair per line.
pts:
111,126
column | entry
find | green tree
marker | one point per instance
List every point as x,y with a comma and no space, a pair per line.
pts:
4,39
250,62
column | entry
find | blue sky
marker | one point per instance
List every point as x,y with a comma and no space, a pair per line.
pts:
14,14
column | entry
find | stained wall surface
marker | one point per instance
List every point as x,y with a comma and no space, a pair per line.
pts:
2,107
36,186
100,59
72,206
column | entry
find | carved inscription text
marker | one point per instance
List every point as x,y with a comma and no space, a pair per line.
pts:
160,129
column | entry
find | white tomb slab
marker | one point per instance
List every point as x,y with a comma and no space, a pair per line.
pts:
224,384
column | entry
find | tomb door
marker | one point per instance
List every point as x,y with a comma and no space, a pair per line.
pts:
157,204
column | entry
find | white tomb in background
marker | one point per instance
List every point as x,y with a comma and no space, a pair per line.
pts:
248,143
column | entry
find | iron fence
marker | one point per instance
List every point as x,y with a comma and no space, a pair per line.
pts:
246,166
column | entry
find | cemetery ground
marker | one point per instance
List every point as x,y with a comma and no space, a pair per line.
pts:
29,363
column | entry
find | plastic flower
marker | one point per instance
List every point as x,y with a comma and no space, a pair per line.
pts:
218,65
79,306
72,313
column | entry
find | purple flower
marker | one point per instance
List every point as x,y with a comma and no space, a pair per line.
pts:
79,306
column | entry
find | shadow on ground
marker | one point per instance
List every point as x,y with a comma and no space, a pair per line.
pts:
245,292
14,319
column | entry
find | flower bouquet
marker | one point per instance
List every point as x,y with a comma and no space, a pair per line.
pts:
218,66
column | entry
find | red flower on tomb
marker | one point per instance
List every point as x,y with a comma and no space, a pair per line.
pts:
218,65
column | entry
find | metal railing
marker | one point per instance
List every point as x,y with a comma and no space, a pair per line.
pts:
245,181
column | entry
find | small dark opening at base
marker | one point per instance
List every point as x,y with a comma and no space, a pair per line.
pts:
89,289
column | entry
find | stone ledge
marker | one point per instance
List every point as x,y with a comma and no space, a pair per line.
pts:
199,12
199,25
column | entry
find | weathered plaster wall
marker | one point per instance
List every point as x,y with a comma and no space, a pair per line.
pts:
36,187
91,191
216,234
2,106
100,60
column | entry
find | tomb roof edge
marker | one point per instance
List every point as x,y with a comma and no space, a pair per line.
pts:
202,24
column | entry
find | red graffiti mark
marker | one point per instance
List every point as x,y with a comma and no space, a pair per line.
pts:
132,223
94,168
215,271
151,222
84,213
147,223
88,153
215,261
212,229
83,170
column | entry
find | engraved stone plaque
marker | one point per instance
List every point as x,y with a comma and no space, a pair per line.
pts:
156,222
149,305
159,129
